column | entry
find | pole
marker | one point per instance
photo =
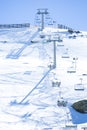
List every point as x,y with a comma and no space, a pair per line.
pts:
42,21
54,44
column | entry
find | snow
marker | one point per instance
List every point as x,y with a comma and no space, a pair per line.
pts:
25,75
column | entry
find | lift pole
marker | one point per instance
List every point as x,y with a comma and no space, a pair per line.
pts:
42,12
54,51
54,45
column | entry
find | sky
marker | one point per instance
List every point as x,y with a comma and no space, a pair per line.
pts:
71,13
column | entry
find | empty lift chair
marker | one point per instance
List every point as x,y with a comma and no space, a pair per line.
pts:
79,86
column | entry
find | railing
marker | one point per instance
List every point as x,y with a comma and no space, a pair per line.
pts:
64,27
3,26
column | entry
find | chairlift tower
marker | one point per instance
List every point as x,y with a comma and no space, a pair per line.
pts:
54,45
54,51
42,12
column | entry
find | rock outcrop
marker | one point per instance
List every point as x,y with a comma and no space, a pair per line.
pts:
80,106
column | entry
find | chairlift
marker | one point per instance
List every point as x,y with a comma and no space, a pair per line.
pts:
79,86
70,125
37,19
38,22
60,44
51,65
62,102
50,24
71,70
56,83
65,55
42,35
47,18
60,40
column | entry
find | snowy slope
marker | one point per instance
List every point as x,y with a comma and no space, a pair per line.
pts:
24,66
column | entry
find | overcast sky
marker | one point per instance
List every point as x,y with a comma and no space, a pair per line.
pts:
67,12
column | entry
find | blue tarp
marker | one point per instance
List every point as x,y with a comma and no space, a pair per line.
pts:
77,117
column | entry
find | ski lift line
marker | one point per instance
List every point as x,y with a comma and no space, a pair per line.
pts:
36,86
17,54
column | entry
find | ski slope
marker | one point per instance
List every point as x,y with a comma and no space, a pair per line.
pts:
27,98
